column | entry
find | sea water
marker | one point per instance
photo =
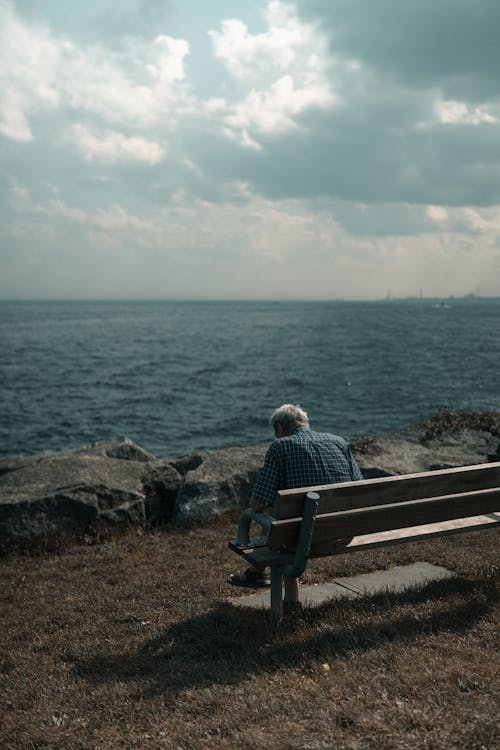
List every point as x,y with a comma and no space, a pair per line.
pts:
182,376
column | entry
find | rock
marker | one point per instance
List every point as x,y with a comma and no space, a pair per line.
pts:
124,449
18,462
494,457
161,485
414,451
68,494
188,463
222,481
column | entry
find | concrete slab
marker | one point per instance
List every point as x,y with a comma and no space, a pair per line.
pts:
308,595
395,579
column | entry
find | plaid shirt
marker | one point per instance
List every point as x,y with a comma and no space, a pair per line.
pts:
304,459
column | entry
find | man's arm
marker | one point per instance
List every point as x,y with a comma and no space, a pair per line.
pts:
356,471
268,481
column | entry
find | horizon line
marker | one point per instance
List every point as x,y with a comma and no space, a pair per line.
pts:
392,298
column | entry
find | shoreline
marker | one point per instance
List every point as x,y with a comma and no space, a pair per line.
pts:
55,496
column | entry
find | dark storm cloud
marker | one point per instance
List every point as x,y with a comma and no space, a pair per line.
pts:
417,113
370,154
450,43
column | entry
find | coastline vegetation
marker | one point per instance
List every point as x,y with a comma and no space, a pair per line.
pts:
451,420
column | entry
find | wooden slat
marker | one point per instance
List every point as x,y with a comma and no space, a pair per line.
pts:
268,556
410,534
385,490
379,518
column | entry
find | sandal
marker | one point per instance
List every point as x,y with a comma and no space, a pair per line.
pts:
250,578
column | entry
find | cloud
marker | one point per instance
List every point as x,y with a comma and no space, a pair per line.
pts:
485,221
438,214
270,111
449,112
477,224
281,73
248,56
140,90
140,87
113,147
29,61
167,66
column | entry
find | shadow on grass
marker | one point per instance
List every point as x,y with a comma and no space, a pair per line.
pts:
228,643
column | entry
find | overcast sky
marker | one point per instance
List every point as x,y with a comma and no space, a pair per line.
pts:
249,149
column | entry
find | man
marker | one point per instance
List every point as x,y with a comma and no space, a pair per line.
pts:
299,457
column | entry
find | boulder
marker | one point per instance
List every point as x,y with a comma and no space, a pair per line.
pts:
221,481
55,495
66,495
416,450
160,486
124,449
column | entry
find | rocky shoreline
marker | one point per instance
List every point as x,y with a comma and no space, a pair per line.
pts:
55,496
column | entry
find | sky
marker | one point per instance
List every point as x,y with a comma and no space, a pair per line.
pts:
249,149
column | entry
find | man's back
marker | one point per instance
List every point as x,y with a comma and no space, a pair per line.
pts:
302,459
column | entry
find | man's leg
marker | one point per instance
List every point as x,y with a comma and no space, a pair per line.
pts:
252,577
257,574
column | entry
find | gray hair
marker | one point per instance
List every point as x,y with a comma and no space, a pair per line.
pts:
289,416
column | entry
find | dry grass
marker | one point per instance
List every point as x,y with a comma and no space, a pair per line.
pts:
132,644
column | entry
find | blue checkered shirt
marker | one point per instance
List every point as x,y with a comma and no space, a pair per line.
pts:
304,459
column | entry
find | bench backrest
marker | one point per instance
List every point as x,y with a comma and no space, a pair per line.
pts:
349,509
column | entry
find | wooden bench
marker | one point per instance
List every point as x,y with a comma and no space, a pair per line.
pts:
312,522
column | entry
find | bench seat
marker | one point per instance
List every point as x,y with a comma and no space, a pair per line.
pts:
263,554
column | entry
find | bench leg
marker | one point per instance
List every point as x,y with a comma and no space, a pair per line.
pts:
291,589
276,596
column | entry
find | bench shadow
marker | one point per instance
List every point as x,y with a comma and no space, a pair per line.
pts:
228,643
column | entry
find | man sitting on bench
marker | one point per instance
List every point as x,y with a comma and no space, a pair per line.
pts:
299,457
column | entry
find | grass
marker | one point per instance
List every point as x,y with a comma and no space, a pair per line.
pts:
132,643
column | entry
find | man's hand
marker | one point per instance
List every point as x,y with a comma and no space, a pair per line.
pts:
257,505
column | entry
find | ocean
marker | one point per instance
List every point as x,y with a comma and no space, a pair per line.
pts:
176,377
